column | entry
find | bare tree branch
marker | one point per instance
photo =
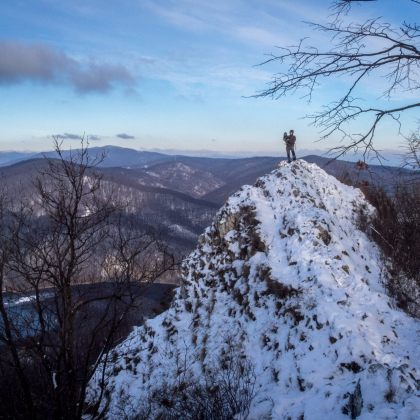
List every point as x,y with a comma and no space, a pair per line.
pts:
359,51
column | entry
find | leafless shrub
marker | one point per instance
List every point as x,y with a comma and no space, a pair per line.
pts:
390,395
344,177
411,158
225,391
395,227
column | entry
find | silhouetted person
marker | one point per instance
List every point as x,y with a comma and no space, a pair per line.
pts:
290,141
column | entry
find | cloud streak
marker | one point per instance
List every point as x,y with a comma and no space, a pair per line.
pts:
42,63
125,136
68,136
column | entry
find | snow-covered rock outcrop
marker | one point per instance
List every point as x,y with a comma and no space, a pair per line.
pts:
285,274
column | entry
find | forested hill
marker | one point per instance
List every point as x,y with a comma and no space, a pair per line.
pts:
212,179
182,191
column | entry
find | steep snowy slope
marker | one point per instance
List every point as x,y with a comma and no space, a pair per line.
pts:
285,275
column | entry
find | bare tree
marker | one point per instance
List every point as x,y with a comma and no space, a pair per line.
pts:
358,51
411,158
73,267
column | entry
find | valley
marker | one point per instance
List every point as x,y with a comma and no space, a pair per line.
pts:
181,191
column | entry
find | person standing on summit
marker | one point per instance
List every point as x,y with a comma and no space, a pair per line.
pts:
290,141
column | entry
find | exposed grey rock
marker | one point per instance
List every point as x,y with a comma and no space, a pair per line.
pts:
354,407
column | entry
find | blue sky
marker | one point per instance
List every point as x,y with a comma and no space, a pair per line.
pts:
163,74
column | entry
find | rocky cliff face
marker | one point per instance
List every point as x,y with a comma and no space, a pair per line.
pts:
285,277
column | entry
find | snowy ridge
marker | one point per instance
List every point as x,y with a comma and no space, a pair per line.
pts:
285,275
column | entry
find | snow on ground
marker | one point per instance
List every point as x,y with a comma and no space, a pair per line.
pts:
183,231
285,275
16,300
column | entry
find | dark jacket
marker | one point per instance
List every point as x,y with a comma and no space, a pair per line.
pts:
291,140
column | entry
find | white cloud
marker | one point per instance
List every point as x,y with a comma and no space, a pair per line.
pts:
41,63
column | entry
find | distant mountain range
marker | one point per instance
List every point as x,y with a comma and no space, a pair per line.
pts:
8,158
390,157
120,156
116,156
183,191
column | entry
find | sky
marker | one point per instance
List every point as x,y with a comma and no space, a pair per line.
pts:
165,74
